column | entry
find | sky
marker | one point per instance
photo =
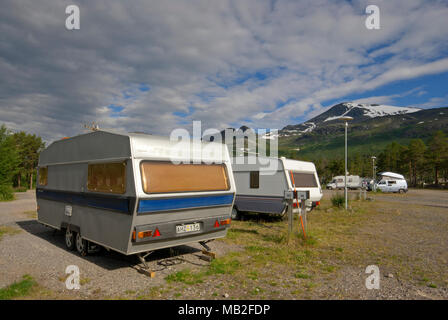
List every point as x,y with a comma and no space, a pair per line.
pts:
154,66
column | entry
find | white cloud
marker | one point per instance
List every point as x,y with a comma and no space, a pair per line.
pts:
265,63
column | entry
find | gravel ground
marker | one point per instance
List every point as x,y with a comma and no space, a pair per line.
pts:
408,240
412,233
40,252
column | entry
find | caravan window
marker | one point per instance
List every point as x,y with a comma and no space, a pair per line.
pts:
254,179
166,177
43,176
107,177
305,180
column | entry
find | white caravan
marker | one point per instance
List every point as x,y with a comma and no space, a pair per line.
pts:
392,182
338,182
261,188
123,192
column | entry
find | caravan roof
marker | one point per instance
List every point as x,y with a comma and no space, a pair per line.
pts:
392,175
102,144
297,165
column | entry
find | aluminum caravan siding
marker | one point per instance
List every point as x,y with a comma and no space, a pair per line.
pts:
110,219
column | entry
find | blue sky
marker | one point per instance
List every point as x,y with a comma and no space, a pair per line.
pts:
155,66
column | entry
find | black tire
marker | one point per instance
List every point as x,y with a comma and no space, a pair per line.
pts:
401,191
235,215
81,245
70,239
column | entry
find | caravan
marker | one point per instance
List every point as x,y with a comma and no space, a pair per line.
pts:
261,186
123,192
338,182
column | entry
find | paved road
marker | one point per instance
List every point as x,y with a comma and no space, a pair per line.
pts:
12,211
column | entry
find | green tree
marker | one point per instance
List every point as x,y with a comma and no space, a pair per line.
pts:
28,146
336,167
9,163
390,158
438,153
414,156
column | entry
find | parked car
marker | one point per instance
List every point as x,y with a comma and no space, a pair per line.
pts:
392,182
400,186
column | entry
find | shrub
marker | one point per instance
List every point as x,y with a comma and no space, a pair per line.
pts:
6,193
338,200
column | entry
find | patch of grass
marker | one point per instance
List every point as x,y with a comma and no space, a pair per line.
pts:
310,285
6,193
256,291
21,189
223,266
185,276
6,230
338,200
31,214
84,281
432,285
253,275
276,238
18,289
300,275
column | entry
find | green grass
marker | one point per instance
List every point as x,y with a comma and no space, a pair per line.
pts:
185,276
31,214
338,200
6,230
21,189
18,289
6,193
300,275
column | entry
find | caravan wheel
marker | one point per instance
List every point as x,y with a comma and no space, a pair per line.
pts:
69,239
235,214
81,245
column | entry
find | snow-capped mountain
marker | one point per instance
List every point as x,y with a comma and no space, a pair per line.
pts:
372,110
359,112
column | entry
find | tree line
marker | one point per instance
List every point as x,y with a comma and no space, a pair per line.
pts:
19,155
420,163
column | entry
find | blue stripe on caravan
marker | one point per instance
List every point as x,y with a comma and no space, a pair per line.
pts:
153,205
120,204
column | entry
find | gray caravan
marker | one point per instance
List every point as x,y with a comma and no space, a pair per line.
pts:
134,193
261,186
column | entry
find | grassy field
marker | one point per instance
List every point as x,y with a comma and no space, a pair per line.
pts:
263,262
270,265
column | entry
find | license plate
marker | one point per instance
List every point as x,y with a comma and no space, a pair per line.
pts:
188,228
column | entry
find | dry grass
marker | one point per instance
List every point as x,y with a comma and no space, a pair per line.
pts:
7,230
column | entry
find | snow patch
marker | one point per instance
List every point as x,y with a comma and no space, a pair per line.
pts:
374,111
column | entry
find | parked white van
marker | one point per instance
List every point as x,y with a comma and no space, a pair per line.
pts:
338,182
392,182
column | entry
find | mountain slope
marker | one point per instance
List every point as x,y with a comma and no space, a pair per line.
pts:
373,127
359,111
